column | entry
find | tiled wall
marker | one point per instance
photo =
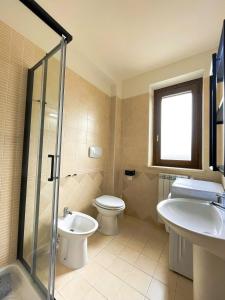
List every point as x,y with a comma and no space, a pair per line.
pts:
116,146
87,121
141,194
16,55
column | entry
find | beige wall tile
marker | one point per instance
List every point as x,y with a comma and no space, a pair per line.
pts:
13,63
5,37
87,121
141,194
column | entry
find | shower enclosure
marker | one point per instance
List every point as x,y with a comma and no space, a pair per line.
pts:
37,235
41,168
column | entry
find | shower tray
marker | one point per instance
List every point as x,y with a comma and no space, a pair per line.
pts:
15,282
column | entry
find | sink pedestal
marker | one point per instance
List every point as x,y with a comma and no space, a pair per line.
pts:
209,275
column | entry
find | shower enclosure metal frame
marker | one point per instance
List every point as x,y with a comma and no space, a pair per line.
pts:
55,171
47,19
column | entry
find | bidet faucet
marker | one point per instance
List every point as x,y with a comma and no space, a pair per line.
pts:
66,212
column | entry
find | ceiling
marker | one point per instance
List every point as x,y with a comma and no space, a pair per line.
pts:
118,39
127,37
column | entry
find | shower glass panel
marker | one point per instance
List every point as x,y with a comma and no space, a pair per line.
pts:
43,244
32,165
40,179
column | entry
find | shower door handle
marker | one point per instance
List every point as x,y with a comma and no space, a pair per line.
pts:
52,166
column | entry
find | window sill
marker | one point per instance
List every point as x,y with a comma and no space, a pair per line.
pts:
176,169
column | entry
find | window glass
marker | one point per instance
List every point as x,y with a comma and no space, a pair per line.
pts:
176,127
177,136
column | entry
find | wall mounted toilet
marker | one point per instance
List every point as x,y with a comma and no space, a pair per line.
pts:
74,229
108,207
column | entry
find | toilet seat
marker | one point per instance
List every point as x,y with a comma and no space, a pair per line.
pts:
110,202
109,209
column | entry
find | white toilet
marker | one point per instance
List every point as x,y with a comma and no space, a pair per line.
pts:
109,207
74,229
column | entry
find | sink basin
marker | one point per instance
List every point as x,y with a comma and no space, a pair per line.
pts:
197,220
204,225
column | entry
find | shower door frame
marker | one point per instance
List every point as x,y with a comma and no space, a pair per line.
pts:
56,169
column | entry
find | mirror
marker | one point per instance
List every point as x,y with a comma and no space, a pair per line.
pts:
220,125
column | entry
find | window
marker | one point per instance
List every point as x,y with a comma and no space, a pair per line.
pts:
177,138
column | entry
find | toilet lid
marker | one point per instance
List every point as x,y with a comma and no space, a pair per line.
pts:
109,202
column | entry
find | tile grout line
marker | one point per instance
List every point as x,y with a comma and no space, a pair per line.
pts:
133,265
124,280
117,256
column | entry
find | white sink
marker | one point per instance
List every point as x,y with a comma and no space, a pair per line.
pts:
204,225
197,220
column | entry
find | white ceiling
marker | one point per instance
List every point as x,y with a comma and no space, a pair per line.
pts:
118,39
19,17
127,37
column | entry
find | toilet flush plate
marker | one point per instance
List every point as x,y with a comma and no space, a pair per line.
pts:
95,152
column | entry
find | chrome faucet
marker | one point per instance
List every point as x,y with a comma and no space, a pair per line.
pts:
220,203
221,198
66,212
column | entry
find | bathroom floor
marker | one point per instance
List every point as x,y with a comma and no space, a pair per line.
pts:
130,266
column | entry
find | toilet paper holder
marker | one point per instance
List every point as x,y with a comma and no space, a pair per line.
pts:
129,172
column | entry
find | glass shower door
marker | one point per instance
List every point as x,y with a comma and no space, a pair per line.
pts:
45,180
48,174
40,207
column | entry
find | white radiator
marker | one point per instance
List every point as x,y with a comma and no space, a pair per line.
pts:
165,183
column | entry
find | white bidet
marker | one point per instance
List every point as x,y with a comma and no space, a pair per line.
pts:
74,229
